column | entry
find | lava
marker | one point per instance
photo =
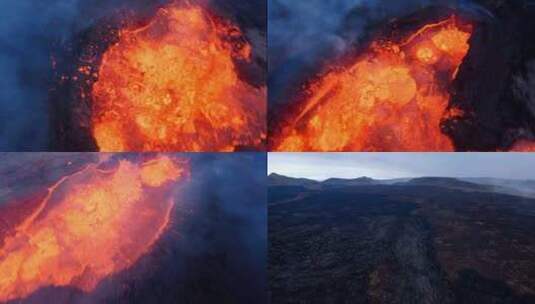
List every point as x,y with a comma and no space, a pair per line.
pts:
393,97
173,85
92,224
523,146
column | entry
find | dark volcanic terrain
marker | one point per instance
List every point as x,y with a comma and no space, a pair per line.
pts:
425,240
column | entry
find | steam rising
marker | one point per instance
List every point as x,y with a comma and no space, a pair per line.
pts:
29,31
301,33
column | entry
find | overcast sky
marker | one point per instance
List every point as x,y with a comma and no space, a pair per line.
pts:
321,166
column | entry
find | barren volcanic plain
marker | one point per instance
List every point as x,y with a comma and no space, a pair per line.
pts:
422,240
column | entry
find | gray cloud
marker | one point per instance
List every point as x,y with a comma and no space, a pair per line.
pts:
393,165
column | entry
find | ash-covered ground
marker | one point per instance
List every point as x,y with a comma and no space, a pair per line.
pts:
213,251
424,240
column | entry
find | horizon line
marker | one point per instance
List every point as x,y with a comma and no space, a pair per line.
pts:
394,178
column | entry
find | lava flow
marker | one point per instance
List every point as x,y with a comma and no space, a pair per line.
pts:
523,146
173,85
92,224
393,97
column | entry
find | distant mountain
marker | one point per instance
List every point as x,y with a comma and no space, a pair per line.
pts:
275,179
350,182
447,182
524,188
509,186
501,181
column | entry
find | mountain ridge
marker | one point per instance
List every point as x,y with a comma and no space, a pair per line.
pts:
519,187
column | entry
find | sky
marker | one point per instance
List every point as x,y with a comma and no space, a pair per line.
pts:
320,166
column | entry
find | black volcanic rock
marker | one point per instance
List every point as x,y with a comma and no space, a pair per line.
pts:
417,242
497,111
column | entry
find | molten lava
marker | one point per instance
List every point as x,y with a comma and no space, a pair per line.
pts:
91,225
173,85
523,146
391,98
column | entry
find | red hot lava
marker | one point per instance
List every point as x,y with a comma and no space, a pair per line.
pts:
523,146
173,85
393,97
92,224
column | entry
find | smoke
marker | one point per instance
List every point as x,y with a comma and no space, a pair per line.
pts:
25,27
302,33
215,250
301,27
230,193
517,187
524,86
29,30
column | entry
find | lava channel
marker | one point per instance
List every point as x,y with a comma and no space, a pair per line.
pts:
173,85
393,97
92,224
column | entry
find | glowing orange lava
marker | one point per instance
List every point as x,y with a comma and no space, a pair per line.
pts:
173,85
523,146
91,225
392,98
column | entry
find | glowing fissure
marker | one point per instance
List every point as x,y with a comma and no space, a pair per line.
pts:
92,224
172,85
392,98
